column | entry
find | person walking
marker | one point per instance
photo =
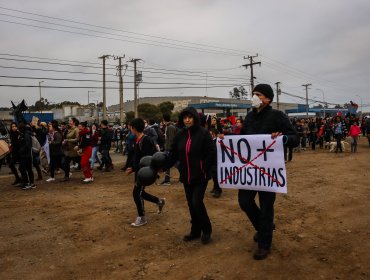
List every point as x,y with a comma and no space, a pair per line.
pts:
354,132
94,135
196,152
84,149
144,147
70,141
170,133
25,156
264,120
55,147
106,137
14,153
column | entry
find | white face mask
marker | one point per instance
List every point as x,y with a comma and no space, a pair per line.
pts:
256,101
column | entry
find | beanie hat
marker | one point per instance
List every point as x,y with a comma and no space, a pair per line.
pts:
266,90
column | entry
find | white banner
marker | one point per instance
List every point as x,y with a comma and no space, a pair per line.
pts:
251,162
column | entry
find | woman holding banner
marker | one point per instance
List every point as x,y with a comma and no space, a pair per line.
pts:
264,120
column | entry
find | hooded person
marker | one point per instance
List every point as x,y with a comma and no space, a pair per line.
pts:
194,149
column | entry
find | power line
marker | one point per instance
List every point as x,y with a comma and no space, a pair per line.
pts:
117,39
129,32
92,87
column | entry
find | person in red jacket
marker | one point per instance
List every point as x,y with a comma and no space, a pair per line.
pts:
354,132
84,148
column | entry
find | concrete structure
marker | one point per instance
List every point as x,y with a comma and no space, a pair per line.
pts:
182,102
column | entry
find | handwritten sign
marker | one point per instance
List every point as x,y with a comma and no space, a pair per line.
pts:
251,162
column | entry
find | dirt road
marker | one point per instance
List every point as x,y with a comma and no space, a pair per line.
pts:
75,231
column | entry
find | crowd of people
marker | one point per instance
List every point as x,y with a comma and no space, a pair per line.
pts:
189,143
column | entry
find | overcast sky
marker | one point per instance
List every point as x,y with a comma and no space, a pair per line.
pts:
184,44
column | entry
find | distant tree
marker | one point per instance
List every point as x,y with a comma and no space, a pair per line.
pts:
166,107
238,93
338,106
149,111
130,115
319,106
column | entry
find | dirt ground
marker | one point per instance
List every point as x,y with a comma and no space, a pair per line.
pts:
75,231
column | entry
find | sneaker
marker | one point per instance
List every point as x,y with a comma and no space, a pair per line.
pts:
29,186
88,180
165,183
50,180
161,203
140,221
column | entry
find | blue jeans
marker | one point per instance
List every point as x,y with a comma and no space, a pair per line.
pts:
94,155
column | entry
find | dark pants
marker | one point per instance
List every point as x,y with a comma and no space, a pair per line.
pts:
55,162
105,157
67,163
140,195
12,162
199,217
262,217
338,137
288,153
25,166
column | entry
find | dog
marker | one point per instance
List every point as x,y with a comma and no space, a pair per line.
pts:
333,146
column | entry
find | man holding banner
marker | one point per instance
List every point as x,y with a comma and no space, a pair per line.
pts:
262,168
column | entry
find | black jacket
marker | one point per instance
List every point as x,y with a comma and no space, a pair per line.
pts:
145,147
106,138
267,121
25,144
194,149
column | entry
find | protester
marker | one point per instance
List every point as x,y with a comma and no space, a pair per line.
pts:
170,133
144,147
338,133
194,149
95,135
70,141
84,149
14,153
354,133
55,148
264,120
129,148
25,156
106,136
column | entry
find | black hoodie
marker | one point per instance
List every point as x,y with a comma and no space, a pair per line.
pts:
194,149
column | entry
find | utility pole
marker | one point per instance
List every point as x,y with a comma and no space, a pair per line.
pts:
88,101
251,63
119,67
134,60
306,86
278,92
104,57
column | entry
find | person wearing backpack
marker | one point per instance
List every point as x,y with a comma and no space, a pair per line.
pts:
25,156
144,147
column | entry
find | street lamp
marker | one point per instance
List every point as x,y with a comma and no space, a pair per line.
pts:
361,105
88,96
323,98
40,95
